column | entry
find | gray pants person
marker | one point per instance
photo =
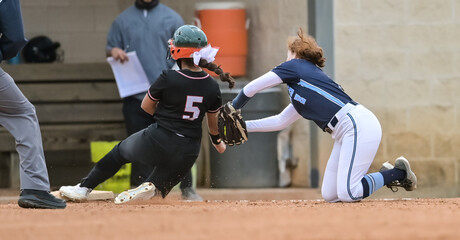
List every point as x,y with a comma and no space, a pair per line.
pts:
18,116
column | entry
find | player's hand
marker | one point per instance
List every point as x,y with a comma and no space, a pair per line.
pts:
119,55
221,147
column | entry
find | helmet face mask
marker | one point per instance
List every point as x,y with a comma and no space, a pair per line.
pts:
187,40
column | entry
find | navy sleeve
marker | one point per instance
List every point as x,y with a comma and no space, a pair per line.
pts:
286,71
12,39
156,89
240,100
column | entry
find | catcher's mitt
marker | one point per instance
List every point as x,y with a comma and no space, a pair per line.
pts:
232,128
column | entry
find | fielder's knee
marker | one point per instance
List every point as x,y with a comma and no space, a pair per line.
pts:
348,195
329,196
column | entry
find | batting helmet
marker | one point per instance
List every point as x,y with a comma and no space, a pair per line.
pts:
187,40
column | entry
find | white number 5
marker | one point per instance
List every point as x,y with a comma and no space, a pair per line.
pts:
189,108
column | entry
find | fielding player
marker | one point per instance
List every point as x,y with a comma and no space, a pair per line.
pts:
355,129
178,100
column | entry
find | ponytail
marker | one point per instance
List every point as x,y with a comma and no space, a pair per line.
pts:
224,76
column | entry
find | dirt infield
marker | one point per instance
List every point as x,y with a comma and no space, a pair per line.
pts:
281,219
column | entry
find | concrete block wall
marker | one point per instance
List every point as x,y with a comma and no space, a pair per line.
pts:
271,22
401,59
80,26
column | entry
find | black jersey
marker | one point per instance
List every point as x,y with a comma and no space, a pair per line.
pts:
184,97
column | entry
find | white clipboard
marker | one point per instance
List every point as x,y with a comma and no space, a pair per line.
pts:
130,76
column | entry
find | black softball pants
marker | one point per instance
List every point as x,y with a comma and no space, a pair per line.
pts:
170,155
137,119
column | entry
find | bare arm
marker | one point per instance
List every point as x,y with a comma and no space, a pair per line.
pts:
212,123
213,130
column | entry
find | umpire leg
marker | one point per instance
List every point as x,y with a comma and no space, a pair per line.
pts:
18,116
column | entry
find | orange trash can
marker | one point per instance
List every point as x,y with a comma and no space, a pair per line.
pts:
225,25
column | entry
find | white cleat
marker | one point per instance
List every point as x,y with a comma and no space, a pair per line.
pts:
410,182
386,166
75,193
145,191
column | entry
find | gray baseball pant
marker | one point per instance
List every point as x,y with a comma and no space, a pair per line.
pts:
18,116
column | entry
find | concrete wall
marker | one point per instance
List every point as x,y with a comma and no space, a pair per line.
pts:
81,26
271,21
401,60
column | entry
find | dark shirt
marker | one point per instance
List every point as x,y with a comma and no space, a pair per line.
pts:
184,98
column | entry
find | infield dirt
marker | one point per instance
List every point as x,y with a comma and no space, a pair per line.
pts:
281,219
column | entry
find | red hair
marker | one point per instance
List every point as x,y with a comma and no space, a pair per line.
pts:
305,47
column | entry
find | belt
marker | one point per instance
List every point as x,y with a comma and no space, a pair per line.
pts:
334,120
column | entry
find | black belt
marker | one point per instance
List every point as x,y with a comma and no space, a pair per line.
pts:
327,129
334,120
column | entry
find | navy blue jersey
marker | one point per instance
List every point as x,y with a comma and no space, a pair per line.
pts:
184,97
314,95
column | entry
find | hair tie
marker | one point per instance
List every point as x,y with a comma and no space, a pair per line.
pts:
207,53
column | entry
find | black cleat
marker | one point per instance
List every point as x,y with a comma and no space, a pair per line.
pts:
30,198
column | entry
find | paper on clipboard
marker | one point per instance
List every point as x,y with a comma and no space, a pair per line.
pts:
130,76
